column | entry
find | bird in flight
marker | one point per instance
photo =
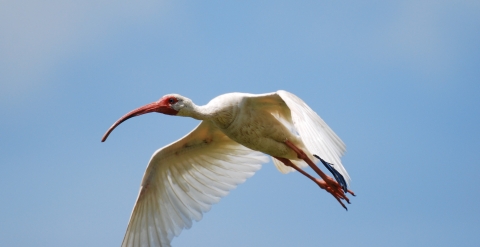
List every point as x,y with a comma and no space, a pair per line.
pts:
185,178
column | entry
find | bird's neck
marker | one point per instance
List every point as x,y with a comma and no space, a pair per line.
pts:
197,112
221,115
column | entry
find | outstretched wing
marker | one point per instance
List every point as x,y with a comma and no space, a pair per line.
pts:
183,180
315,133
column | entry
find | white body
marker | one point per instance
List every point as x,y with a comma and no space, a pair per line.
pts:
185,178
253,122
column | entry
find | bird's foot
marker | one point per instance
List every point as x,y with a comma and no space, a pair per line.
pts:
335,189
337,175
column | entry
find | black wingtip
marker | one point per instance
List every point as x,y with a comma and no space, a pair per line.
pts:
339,177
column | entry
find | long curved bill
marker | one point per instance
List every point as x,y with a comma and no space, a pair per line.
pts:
152,107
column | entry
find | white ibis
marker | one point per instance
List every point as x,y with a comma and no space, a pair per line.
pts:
185,178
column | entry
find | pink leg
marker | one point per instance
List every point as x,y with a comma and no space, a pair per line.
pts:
331,182
319,182
328,180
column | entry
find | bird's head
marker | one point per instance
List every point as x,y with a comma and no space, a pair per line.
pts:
170,104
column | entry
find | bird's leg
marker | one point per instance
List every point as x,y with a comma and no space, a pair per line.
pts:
303,156
319,182
331,182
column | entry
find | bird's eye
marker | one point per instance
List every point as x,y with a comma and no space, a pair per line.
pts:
171,101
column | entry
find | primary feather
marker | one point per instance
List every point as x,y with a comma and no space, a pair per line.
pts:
183,180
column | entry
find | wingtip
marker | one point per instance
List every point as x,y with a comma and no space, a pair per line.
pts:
337,175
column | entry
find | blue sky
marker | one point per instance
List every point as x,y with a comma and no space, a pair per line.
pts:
398,81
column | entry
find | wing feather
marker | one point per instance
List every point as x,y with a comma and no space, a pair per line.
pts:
183,180
315,133
302,121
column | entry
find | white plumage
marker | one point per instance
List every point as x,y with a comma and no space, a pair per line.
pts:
185,178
